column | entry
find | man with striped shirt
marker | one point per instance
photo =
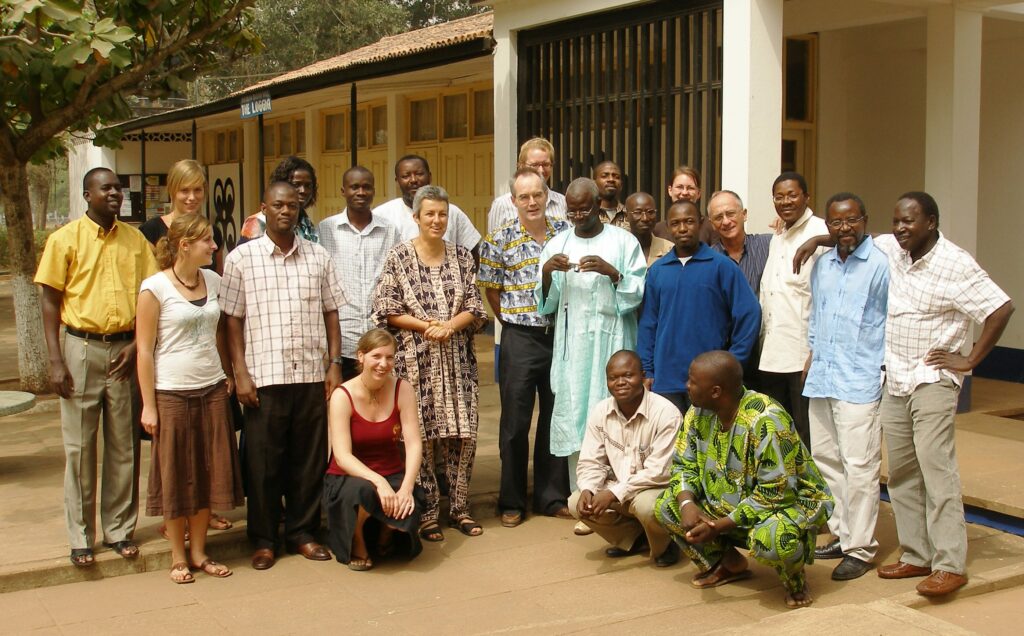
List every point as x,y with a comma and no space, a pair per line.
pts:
509,271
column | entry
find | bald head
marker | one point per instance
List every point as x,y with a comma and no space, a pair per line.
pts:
720,368
625,356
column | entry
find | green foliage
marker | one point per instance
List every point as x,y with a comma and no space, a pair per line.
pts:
299,32
68,65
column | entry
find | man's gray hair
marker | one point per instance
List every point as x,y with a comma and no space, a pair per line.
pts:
583,185
730,193
428,193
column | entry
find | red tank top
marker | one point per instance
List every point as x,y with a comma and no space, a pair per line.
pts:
374,443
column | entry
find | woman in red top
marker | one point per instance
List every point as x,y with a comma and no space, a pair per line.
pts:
369,490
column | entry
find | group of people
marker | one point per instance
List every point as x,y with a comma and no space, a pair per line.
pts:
700,389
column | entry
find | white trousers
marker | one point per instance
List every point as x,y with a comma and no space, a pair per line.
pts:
846,443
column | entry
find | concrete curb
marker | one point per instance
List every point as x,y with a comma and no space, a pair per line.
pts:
154,556
991,581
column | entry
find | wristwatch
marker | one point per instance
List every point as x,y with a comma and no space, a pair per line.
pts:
337,361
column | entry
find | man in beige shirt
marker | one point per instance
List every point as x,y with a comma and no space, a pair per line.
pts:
625,464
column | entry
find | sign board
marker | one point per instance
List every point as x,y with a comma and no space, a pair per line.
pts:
256,104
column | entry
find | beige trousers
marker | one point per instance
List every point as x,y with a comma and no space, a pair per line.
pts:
622,526
97,398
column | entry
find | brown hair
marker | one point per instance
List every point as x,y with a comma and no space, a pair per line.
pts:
688,171
186,227
374,339
184,173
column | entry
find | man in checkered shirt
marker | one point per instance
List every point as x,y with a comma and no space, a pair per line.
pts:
281,295
936,291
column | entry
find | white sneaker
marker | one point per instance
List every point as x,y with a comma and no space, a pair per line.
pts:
581,529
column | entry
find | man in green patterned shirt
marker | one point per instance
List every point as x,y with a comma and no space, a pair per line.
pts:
742,478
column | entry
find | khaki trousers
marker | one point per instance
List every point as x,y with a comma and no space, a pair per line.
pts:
924,479
97,398
622,526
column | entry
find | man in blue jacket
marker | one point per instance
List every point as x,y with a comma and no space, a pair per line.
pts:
695,300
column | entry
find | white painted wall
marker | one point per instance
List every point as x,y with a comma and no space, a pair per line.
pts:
81,159
160,156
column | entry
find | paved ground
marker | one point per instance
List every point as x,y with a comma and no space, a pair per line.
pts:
537,577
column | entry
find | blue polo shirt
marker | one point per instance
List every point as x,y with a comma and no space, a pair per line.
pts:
704,305
846,330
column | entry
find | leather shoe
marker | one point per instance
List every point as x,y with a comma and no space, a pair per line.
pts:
312,551
901,570
850,568
511,518
638,546
263,559
829,551
941,583
669,557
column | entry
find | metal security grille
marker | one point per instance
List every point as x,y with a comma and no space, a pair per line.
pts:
640,86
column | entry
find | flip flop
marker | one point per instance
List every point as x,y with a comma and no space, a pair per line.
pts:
218,522
82,557
209,566
126,549
725,577
360,564
186,576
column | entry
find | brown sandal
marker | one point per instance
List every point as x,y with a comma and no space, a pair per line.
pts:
210,567
186,576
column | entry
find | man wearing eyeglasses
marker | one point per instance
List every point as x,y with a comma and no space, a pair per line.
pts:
539,155
846,334
786,301
642,213
750,251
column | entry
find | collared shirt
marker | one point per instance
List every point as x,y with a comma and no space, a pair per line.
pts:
255,226
616,217
503,210
358,259
786,297
689,309
753,259
659,247
282,297
460,229
847,325
932,304
98,272
628,454
510,262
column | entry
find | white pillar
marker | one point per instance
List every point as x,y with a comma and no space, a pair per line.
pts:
953,121
251,168
387,189
752,104
506,64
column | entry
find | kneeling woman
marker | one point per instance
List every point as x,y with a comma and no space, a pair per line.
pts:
368,489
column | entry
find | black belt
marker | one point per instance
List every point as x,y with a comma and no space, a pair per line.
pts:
541,330
102,337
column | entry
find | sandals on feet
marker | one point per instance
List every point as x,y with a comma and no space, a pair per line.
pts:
126,549
467,526
360,564
431,531
180,573
218,522
82,557
214,569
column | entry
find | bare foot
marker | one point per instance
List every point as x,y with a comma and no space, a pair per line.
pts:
718,575
795,600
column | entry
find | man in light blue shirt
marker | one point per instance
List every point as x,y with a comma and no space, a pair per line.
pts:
846,333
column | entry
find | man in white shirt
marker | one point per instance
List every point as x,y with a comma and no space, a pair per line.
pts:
537,154
786,301
358,242
625,464
411,173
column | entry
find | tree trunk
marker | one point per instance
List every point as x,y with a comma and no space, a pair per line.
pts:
40,179
33,361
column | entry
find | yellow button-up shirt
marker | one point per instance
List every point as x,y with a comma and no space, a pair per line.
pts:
98,272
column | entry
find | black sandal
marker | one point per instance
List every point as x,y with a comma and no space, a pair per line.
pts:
82,557
126,549
431,531
467,526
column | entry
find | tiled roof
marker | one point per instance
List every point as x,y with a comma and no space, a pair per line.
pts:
394,46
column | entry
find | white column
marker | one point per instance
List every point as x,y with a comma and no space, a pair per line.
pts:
953,121
387,189
506,63
752,104
251,167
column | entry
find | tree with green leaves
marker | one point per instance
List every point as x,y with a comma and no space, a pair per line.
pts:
69,66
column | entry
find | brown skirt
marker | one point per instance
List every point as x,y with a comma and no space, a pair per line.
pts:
194,462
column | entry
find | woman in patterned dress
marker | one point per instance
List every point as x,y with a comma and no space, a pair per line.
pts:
427,296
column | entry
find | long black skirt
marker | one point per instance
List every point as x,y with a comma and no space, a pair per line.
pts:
343,494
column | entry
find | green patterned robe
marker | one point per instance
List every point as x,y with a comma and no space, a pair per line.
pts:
766,482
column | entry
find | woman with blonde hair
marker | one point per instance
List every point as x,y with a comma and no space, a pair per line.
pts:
185,387
373,419
186,188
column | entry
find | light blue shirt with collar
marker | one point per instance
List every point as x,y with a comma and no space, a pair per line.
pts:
846,332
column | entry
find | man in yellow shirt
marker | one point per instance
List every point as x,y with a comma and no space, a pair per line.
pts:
90,275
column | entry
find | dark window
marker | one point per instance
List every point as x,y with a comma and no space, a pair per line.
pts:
641,87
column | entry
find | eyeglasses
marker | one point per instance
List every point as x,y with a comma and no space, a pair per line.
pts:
838,223
645,212
786,198
539,165
578,214
728,214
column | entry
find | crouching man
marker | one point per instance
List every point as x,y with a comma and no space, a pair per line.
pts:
624,464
